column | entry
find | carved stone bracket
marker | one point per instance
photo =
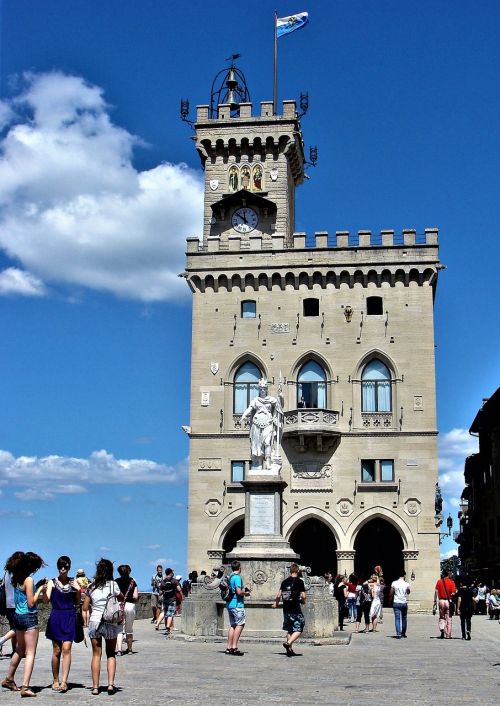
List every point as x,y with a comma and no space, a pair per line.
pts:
215,554
410,554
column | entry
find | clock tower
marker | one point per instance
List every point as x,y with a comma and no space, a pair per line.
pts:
342,328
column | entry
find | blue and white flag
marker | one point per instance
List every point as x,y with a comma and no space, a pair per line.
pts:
285,25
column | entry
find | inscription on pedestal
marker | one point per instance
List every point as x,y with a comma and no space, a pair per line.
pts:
262,514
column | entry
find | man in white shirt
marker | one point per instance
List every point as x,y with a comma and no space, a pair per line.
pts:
400,590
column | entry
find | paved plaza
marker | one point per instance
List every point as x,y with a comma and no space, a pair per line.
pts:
374,669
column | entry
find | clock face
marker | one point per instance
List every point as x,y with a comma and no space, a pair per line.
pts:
244,219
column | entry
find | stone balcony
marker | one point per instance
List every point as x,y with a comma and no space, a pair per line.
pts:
317,425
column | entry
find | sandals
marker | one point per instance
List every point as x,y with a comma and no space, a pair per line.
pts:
10,684
112,689
95,691
63,688
26,691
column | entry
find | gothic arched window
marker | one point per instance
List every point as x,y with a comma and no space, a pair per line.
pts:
376,387
246,386
311,385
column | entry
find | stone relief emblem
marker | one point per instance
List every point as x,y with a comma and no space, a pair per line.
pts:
214,184
214,368
280,328
259,576
344,507
210,464
412,506
213,507
273,174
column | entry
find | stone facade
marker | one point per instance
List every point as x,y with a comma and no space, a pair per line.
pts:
266,295
479,516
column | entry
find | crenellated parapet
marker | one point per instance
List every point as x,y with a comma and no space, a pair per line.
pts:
385,259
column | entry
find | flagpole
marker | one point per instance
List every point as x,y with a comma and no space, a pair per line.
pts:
275,83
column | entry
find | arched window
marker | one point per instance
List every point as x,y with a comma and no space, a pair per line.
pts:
376,387
246,386
311,385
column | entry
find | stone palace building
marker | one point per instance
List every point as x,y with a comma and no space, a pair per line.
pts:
345,323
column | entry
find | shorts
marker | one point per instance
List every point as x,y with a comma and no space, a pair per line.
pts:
26,621
169,609
155,600
236,616
105,630
293,622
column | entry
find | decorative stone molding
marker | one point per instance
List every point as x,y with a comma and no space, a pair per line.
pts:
213,507
377,420
410,554
210,464
216,554
345,507
413,507
311,477
259,576
345,554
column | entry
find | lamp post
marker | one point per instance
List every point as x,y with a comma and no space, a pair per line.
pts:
449,524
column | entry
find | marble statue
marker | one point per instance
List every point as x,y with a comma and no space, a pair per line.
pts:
266,426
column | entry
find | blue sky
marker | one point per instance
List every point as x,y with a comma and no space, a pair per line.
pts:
100,185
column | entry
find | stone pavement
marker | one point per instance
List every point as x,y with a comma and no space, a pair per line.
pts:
374,669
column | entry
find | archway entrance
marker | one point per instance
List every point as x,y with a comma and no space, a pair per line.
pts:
379,543
234,533
316,545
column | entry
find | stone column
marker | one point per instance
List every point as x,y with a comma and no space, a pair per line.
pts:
345,561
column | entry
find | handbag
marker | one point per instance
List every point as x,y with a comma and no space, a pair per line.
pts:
114,611
79,634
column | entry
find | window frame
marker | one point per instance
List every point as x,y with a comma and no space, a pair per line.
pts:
252,387
378,386
233,465
245,315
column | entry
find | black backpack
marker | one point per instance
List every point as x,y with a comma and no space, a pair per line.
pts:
226,592
168,588
3,598
186,587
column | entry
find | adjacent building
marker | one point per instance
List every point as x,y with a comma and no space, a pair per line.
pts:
479,534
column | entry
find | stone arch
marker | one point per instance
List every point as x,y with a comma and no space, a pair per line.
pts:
236,282
277,281
225,525
197,283
264,281
345,278
381,355
209,282
311,355
383,513
304,280
359,278
290,280
223,282
429,275
247,357
291,523
250,282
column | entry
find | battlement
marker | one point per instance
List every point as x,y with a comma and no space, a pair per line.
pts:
320,240
245,112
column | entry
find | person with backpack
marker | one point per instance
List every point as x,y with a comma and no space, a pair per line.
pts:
293,594
168,587
235,604
363,605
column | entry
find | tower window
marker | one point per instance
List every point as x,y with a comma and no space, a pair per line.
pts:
311,307
387,470
374,306
248,309
237,471
246,386
376,387
311,386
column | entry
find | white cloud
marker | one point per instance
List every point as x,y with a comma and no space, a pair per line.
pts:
152,546
449,553
74,210
453,449
21,283
43,478
166,563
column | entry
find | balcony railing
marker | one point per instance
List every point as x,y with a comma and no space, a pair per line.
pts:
307,421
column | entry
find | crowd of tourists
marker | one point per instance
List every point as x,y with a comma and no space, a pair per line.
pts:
104,606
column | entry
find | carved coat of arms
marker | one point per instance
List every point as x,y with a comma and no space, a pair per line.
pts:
214,184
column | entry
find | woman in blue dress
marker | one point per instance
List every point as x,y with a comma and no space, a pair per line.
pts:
64,596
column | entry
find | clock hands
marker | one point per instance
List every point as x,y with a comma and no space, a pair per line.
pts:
243,216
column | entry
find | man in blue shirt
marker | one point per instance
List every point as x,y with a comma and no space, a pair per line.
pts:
236,609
